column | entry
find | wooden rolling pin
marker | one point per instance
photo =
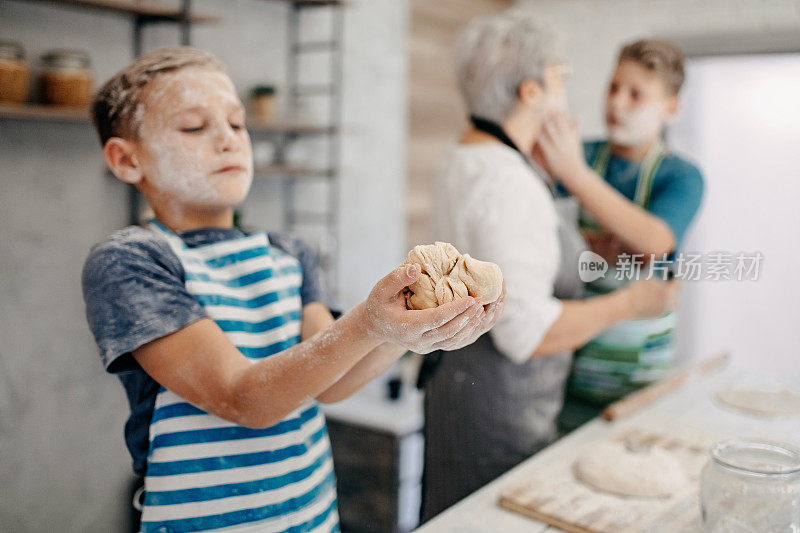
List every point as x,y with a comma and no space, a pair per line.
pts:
647,395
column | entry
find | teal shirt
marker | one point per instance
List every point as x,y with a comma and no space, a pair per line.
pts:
677,187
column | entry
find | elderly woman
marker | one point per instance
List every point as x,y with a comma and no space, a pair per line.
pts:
493,404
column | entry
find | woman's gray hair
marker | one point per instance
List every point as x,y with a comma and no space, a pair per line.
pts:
495,54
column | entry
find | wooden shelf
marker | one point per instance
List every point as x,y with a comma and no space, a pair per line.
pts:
288,126
278,172
44,113
312,3
142,8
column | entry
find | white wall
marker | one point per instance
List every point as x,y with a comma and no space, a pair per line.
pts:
372,233
740,120
64,466
596,29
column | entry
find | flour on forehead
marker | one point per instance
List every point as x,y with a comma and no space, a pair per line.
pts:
195,85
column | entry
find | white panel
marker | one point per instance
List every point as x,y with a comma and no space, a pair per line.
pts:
741,122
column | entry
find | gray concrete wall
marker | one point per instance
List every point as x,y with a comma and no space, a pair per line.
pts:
63,464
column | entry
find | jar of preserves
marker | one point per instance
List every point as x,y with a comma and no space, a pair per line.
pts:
14,73
751,486
66,79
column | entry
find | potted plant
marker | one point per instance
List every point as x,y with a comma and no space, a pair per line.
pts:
262,99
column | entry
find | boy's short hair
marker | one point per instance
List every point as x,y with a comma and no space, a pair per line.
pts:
115,108
663,58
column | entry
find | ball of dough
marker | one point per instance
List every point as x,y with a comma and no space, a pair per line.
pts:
447,275
612,467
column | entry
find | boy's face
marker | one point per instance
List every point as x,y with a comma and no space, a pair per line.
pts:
193,148
637,105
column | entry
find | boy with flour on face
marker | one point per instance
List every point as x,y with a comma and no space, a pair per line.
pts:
220,337
635,195
636,202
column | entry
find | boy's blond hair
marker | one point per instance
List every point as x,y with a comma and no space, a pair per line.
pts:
663,58
115,108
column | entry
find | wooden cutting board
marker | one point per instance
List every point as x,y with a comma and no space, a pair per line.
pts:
554,496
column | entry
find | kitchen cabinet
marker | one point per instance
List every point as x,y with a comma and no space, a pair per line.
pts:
378,454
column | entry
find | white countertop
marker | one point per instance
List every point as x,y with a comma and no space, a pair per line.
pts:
371,408
689,410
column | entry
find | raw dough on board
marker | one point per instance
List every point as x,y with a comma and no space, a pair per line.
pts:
612,467
447,275
761,401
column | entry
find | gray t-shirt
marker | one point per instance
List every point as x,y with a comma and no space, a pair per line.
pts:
134,288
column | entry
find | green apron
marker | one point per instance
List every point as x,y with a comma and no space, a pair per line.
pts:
644,184
633,353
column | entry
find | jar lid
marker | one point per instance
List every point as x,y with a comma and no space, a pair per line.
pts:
66,59
757,458
11,50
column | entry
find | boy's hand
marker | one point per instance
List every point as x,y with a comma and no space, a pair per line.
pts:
493,311
559,148
447,327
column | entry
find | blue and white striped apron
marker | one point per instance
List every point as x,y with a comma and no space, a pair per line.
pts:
205,473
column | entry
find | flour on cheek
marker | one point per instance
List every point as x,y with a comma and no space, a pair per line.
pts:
178,173
638,126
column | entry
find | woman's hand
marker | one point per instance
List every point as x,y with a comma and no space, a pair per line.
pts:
651,298
559,149
447,327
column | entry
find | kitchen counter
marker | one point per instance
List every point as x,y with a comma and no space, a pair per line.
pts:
371,408
687,411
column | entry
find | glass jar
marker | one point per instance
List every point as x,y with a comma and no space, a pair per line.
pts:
66,79
262,103
14,73
751,487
